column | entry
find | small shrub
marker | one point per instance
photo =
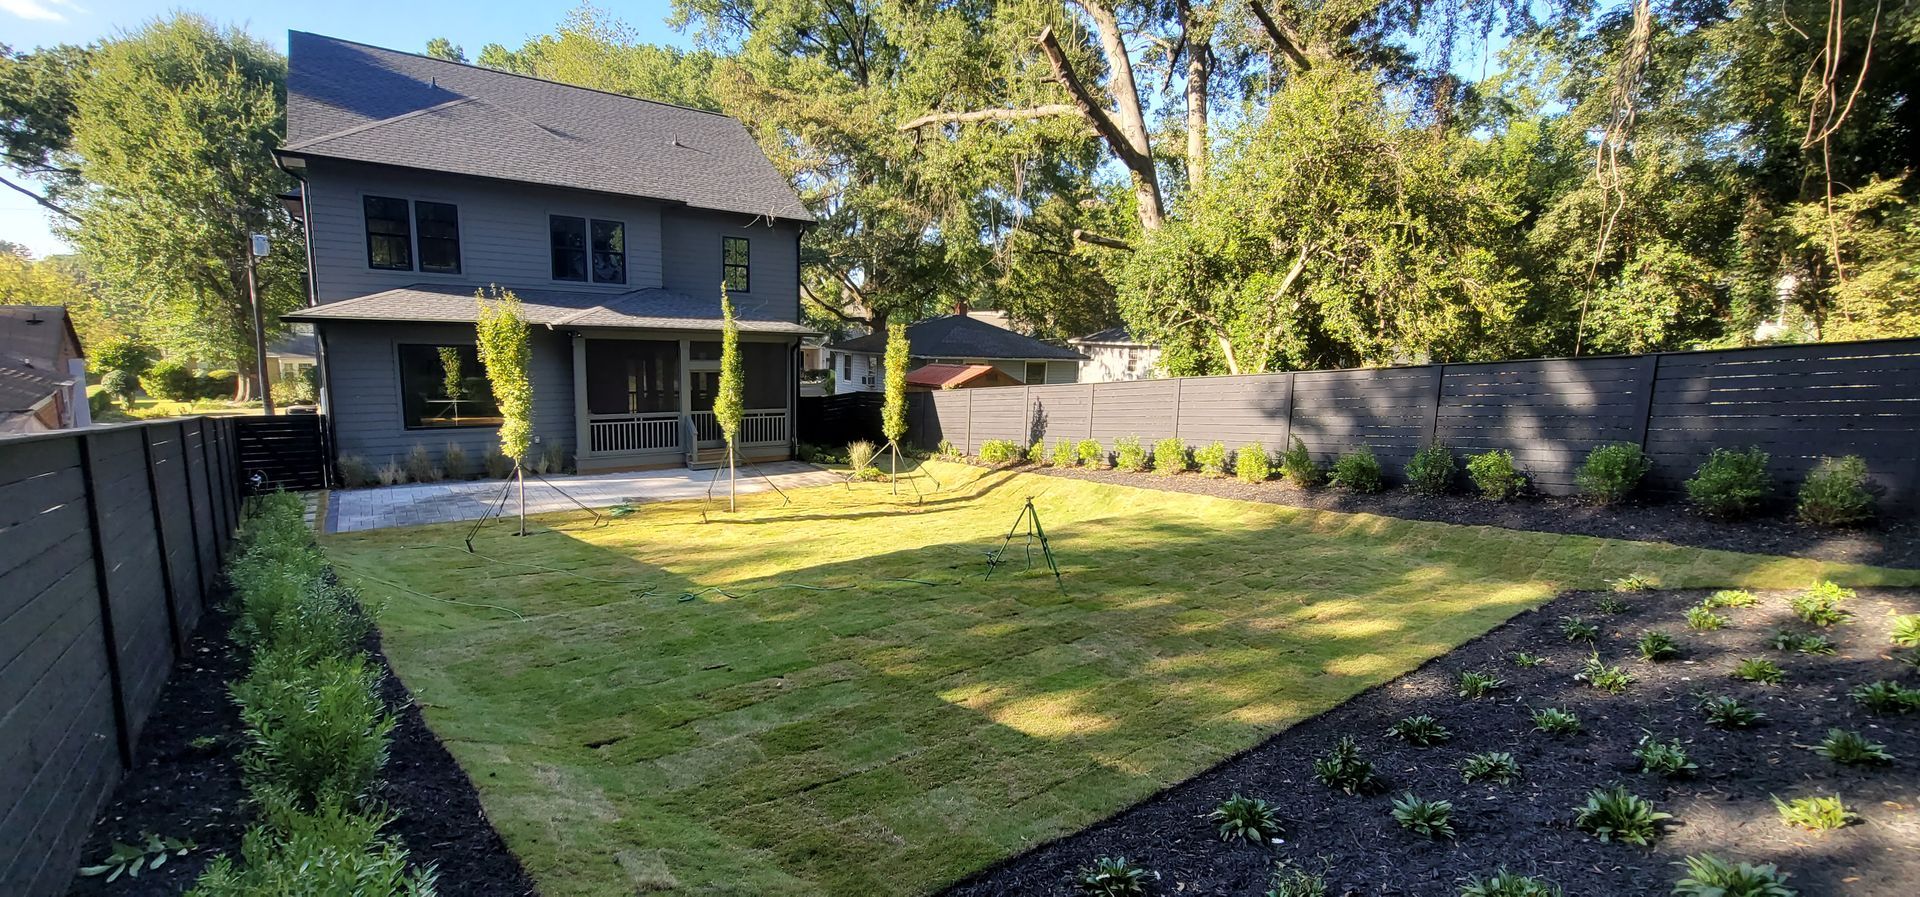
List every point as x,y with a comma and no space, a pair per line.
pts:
1251,463
1576,629
1730,598
1475,684
1906,631
1343,769
1129,455
1657,646
554,458
1610,679
1852,749
317,731
1555,721
992,451
120,386
1612,472
333,852
1211,459
1420,731
302,615
171,380
1887,698
420,466
1710,876
390,473
1064,454
1430,471
1815,814
1494,475
1703,619
1835,493
1820,604
1093,456
355,472
1526,661
1245,819
1759,670
1634,582
1112,877
454,462
1290,880
219,383
945,449
1037,454
1668,758
1359,471
1427,818
1296,465
1509,884
1493,766
1726,712
1730,484
1169,456
1611,604
499,466
1803,642
860,453
1616,814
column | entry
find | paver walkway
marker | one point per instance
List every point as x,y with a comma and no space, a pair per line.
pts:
349,510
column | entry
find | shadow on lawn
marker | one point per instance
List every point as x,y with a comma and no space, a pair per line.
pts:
826,731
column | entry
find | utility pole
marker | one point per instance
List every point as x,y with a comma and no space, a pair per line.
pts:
258,249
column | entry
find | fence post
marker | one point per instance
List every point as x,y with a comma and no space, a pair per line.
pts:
1026,413
214,511
1433,413
1650,366
160,539
1091,389
969,441
1286,420
123,735
193,511
1177,389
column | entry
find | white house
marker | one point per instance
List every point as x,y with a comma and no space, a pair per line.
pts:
1113,354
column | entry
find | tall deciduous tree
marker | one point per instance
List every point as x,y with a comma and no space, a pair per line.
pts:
173,131
505,350
893,411
729,396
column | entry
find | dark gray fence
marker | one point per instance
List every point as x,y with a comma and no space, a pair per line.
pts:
110,541
1799,403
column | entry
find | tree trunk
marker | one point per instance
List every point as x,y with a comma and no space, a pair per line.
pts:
733,485
1199,74
520,475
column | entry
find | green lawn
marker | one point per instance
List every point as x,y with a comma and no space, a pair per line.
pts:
889,737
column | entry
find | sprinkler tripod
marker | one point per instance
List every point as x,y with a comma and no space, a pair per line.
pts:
499,503
1035,532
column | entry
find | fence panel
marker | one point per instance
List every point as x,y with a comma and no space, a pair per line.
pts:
1060,413
1236,410
282,451
1550,414
98,573
998,414
1387,409
1142,408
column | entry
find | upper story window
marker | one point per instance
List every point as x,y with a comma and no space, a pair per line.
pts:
735,262
395,225
389,237
588,249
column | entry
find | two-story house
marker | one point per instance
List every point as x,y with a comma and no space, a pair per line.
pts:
616,220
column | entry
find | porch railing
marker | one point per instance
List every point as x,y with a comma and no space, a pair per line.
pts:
758,426
658,431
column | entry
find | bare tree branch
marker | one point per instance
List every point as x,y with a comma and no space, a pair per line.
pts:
1127,139
1092,239
1048,110
46,203
1284,36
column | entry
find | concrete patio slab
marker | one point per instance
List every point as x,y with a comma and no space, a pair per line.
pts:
415,504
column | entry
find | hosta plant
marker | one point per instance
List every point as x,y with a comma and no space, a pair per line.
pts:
1634,582
1575,629
1726,712
1428,818
1703,619
1290,880
130,860
1509,884
1555,721
1710,876
1760,670
1113,877
1475,684
1611,604
1657,646
1616,814
1526,661
1610,679
1906,631
1803,642
1815,814
1821,604
1498,767
1887,698
1731,598
1664,758
1852,749
1245,819
1420,731
1343,769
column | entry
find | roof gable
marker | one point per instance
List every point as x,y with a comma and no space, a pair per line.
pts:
959,336
368,104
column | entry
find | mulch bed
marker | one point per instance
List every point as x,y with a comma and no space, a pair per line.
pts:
187,785
1527,827
1894,543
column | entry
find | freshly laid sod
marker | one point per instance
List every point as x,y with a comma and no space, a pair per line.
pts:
829,698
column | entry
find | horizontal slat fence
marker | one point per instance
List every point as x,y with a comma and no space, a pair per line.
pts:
1798,403
281,451
109,540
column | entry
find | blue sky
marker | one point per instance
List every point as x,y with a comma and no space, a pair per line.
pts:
399,24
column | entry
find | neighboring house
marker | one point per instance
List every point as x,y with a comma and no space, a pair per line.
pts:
292,355
615,220
929,377
960,338
43,373
1113,354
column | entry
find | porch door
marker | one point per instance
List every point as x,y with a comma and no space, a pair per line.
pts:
703,385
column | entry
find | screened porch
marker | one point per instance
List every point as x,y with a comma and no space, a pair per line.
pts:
648,401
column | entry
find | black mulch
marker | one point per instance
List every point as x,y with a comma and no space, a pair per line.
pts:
1895,542
1527,826
186,784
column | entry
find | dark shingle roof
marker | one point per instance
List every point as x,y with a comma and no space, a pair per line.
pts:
441,303
367,104
33,337
21,390
958,336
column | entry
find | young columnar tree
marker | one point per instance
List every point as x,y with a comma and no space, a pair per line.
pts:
729,402
893,415
503,349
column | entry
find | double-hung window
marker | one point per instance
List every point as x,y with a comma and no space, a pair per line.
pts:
588,249
399,230
736,263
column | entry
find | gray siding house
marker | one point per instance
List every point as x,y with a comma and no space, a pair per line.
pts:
617,221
